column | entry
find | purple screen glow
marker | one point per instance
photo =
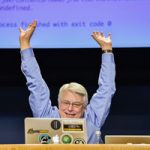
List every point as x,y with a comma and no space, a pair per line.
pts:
69,23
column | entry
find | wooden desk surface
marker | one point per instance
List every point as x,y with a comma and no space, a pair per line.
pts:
75,147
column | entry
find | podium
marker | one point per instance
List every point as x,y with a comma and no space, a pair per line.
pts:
75,147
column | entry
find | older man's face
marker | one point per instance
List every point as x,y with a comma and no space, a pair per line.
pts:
71,105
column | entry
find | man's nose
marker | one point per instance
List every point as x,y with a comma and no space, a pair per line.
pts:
70,107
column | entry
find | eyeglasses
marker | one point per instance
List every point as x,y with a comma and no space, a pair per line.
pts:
74,104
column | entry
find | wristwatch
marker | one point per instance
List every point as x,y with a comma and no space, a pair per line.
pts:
107,51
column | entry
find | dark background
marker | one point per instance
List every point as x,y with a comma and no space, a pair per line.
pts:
129,113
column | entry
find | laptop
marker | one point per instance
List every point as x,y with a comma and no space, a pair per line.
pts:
55,131
127,139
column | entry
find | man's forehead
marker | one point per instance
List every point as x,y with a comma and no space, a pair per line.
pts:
71,96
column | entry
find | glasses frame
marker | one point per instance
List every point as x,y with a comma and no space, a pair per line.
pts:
67,104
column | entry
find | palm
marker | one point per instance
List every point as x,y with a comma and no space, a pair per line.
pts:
104,42
23,33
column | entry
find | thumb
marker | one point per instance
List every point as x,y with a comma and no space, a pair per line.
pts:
21,30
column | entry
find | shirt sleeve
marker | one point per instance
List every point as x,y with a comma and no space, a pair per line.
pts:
39,98
99,105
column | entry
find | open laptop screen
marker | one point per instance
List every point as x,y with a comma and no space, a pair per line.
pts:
127,139
55,131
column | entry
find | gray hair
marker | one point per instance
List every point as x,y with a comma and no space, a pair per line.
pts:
76,88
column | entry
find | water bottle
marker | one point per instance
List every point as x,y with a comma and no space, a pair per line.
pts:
98,136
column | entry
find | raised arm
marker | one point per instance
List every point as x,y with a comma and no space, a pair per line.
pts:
98,108
39,92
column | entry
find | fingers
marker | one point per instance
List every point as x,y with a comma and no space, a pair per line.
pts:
33,24
30,26
109,35
100,34
21,30
97,34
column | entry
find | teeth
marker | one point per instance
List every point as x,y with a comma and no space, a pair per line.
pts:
70,114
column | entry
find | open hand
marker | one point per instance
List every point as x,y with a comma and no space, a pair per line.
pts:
25,35
104,42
